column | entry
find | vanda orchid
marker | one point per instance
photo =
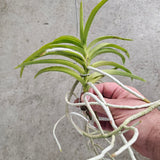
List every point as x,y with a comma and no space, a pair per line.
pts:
78,59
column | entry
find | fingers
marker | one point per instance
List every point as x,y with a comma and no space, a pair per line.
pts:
106,89
130,101
112,90
113,94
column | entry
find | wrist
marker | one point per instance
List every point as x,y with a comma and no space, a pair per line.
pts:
148,142
153,139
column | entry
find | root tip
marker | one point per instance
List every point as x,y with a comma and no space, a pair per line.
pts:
113,155
146,100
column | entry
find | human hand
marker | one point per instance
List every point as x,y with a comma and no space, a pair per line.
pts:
114,94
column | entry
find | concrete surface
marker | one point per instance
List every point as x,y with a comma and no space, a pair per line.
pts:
29,107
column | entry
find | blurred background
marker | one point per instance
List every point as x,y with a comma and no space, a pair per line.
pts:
30,107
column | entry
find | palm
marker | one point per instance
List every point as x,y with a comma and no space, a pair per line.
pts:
114,94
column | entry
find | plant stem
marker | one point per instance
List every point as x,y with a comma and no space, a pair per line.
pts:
71,93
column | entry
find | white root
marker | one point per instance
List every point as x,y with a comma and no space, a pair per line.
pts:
54,132
99,132
129,143
107,149
118,82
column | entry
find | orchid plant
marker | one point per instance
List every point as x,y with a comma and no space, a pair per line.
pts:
80,54
77,61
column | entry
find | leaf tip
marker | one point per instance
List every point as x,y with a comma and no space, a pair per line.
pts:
130,39
36,76
142,79
21,72
127,54
17,67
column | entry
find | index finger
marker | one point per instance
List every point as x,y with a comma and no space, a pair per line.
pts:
107,89
112,90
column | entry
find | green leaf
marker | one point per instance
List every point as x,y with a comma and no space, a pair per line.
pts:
98,76
95,79
94,50
104,38
72,55
56,61
120,48
81,22
104,63
91,17
108,50
67,39
55,44
61,69
67,47
21,71
42,52
121,73
36,54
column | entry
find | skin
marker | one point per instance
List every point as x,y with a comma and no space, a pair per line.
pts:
148,142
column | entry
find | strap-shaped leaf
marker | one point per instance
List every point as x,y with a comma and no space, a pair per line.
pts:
63,39
40,52
36,54
108,50
61,69
72,55
100,46
91,17
69,47
121,73
56,61
67,39
120,48
33,56
81,23
98,76
96,79
104,38
69,54
110,63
